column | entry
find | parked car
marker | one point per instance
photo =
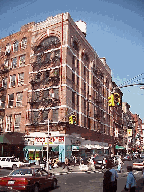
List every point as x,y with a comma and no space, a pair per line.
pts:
28,179
142,155
98,162
11,162
138,164
127,158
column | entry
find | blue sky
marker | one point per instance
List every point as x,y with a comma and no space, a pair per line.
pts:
115,29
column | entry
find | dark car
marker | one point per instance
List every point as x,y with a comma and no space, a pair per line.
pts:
28,179
99,162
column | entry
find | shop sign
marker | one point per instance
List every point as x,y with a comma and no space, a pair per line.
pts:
129,132
52,140
75,148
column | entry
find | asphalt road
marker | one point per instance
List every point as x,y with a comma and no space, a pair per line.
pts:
90,182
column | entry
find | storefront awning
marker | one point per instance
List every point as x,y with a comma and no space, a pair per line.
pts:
1,138
32,148
119,147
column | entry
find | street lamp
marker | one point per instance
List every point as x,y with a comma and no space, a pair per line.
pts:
48,147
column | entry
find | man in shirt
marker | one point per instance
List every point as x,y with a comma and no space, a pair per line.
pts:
114,177
131,182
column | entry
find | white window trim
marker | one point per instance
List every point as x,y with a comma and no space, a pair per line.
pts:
8,123
20,81
19,101
17,128
11,81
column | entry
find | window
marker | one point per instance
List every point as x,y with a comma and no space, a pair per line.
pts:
6,63
56,93
45,94
36,117
56,72
55,115
12,80
38,77
15,46
8,122
44,115
4,82
8,48
2,101
17,121
22,61
24,43
11,100
1,123
36,96
19,97
20,79
14,62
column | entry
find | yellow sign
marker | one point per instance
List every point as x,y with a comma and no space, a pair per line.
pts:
129,132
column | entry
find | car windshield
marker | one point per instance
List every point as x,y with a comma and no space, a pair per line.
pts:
21,172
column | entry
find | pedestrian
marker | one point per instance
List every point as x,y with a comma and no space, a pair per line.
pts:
114,177
50,163
143,173
66,164
119,164
107,181
91,164
44,160
131,181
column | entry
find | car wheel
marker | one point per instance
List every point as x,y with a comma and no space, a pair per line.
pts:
14,167
36,188
54,184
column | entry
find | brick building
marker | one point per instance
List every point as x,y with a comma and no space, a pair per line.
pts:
49,71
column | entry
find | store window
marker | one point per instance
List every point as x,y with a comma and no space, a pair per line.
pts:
17,121
24,43
22,61
14,63
19,97
12,81
20,79
15,46
8,123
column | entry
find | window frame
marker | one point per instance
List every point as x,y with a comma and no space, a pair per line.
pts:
18,127
11,76
22,60
20,81
8,123
14,64
19,102
23,43
15,46
10,100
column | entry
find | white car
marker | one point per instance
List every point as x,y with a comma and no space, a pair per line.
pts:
10,162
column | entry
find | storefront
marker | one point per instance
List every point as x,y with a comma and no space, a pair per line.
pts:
36,146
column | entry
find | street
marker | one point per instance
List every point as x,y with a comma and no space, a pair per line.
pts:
90,182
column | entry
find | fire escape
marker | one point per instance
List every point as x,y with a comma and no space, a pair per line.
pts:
98,99
44,82
4,70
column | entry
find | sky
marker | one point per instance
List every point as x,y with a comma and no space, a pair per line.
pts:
115,29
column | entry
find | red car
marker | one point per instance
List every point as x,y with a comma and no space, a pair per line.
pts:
28,179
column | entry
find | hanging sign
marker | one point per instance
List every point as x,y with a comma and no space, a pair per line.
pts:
129,132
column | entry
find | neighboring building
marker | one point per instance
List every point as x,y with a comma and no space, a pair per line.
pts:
49,71
142,141
138,133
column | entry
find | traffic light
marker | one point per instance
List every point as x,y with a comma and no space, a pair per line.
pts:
70,120
74,119
111,100
117,98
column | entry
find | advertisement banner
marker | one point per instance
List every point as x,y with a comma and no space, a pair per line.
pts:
129,132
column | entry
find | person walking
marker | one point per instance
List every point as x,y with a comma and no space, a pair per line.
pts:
119,164
114,177
66,164
107,181
131,181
